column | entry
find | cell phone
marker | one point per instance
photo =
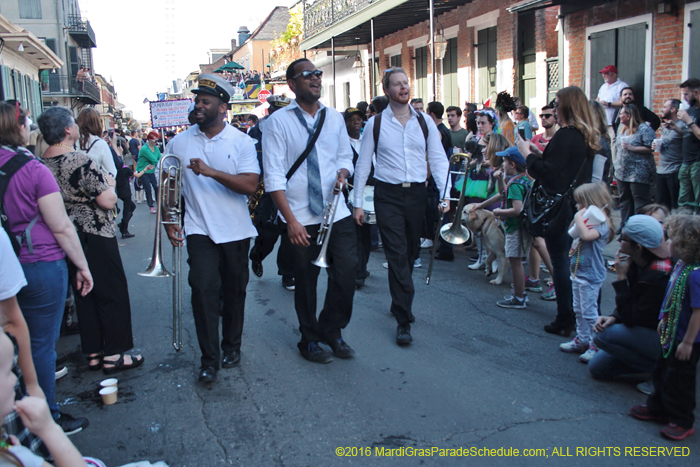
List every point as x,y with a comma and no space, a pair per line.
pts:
111,133
521,132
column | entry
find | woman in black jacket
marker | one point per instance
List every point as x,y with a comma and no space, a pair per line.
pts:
571,149
627,339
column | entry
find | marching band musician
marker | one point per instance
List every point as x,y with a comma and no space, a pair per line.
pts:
301,195
400,193
219,169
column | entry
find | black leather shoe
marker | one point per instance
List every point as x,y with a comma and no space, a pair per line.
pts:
231,359
127,235
558,327
207,374
314,353
340,348
444,257
288,282
403,334
359,283
257,268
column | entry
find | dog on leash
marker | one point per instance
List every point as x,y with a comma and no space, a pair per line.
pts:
483,223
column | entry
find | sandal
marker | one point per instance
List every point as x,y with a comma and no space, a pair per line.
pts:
95,366
119,365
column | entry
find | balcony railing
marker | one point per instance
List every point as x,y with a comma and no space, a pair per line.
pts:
81,31
107,109
324,13
63,85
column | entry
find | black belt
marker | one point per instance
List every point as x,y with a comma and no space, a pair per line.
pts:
401,185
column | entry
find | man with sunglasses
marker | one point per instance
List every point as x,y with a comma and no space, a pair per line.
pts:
549,123
302,188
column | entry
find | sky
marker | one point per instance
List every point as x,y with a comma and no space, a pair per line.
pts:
142,46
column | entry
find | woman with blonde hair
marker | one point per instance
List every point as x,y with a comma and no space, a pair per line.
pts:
600,121
567,160
635,168
90,125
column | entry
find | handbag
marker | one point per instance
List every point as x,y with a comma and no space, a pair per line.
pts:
546,215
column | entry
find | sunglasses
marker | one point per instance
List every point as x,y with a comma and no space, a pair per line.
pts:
307,74
546,115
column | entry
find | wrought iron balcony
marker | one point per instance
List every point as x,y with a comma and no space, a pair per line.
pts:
81,31
62,85
323,13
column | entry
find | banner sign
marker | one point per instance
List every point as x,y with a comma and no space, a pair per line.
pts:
169,113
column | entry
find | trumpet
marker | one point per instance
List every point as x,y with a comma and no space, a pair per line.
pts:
324,230
169,206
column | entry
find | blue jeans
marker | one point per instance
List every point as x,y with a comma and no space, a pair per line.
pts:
558,249
42,302
624,350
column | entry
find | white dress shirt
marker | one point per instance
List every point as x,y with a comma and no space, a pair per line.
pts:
100,153
611,93
211,208
285,139
401,154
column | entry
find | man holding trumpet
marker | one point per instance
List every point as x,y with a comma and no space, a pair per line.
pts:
307,158
219,169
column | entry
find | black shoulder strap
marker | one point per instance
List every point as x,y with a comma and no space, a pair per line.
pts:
310,146
90,147
378,123
375,130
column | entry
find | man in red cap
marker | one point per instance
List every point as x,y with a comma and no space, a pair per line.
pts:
609,92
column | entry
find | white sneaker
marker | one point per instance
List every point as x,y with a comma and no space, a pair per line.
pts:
60,373
574,346
427,243
478,265
417,263
386,265
588,354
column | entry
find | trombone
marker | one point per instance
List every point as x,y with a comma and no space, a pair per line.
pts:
170,205
453,232
324,230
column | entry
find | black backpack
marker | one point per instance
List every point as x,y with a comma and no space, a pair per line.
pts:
6,172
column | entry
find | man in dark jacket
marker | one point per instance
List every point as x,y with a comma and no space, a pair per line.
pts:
627,339
627,97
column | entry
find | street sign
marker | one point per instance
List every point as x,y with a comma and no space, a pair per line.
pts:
263,95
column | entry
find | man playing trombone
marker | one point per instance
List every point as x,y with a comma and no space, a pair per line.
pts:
219,169
307,155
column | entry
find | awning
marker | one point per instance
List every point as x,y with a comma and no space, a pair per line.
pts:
231,66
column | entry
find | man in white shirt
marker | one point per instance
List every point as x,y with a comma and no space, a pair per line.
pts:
301,190
400,193
609,92
219,169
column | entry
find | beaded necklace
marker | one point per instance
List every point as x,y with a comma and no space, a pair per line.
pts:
575,249
674,299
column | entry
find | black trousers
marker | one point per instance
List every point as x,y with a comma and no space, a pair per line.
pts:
337,306
674,387
400,214
667,187
104,313
216,270
127,213
632,197
268,233
364,246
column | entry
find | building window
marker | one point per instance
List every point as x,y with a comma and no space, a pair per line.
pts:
346,94
30,9
487,48
395,61
450,92
421,88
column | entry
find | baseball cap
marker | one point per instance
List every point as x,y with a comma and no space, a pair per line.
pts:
215,85
608,69
513,154
351,111
646,231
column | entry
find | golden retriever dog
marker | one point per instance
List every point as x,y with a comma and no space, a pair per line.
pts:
484,224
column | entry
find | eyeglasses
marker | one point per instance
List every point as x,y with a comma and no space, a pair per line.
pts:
546,115
306,74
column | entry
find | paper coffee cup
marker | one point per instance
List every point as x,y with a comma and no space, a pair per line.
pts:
593,216
658,142
109,382
573,231
625,139
685,106
109,395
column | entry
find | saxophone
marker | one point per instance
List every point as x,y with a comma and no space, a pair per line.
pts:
254,199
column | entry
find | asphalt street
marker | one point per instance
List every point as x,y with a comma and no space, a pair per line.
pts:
476,377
